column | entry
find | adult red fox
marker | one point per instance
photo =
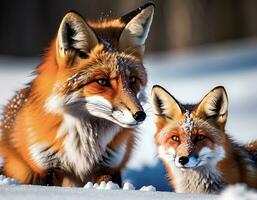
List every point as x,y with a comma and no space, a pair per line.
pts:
70,123
197,153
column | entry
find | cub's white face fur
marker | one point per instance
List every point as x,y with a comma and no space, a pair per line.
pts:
199,175
206,157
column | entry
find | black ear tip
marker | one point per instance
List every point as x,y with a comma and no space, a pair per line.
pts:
73,13
156,87
126,18
220,87
160,88
150,3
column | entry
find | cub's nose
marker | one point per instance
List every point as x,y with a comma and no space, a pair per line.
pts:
183,160
139,116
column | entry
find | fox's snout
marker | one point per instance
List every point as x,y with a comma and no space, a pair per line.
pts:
130,108
123,109
132,103
186,156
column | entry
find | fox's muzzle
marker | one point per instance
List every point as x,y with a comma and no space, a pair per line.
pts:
132,103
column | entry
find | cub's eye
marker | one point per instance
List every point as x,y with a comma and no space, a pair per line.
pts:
104,82
175,138
199,138
133,80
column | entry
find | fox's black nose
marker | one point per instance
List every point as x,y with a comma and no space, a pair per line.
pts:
183,160
139,116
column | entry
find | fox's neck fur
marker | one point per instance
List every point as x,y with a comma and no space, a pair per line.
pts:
202,180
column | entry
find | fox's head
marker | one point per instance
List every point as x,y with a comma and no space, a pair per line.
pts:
99,68
190,136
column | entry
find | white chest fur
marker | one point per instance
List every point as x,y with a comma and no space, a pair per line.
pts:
85,142
202,180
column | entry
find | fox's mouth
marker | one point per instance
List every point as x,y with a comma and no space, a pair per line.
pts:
187,163
183,168
125,119
125,125
118,119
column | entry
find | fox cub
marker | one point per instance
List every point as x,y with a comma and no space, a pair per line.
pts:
197,153
69,125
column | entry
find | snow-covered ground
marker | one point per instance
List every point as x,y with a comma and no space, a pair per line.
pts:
54,193
188,76
111,191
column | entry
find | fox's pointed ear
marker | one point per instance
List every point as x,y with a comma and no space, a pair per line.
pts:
214,107
165,106
74,38
135,32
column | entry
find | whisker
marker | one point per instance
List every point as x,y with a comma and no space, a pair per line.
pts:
98,105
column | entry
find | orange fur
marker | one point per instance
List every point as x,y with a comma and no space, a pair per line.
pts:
178,129
35,128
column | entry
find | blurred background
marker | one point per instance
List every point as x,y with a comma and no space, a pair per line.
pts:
192,47
29,25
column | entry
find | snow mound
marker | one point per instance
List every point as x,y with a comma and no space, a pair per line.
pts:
148,188
102,186
89,185
8,181
238,192
113,186
128,186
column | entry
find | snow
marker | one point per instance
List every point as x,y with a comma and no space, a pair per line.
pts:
113,186
148,188
7,181
89,185
187,76
112,191
238,192
188,123
54,193
128,186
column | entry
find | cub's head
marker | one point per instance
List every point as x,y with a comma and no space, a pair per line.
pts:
99,67
190,136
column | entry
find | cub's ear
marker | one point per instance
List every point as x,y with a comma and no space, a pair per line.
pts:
74,38
214,107
165,106
135,32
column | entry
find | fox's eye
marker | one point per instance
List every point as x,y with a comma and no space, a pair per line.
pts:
175,138
104,82
199,138
133,80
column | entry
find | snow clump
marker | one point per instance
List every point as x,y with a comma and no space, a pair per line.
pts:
238,192
7,181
